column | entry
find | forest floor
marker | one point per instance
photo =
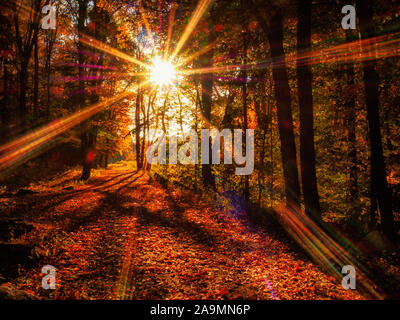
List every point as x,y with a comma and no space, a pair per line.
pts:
124,236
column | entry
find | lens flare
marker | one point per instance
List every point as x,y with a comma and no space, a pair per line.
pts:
162,72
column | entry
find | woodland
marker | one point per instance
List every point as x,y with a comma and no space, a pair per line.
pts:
87,87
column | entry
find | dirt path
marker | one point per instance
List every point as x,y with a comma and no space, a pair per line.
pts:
124,237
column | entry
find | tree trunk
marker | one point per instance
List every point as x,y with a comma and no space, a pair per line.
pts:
85,136
4,101
137,133
196,127
106,160
88,149
206,81
274,34
304,81
24,49
244,99
23,86
36,72
350,109
51,37
143,158
371,82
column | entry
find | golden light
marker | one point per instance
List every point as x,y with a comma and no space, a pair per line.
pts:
162,72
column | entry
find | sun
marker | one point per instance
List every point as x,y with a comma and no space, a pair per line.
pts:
162,72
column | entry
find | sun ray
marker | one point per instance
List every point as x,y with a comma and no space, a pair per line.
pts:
323,248
90,41
110,50
28,146
31,144
196,54
194,20
170,27
89,66
360,50
113,76
214,69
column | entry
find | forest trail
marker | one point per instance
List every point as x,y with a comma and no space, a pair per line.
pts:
123,236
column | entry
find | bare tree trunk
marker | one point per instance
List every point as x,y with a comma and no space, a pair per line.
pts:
143,158
24,48
304,80
137,132
86,140
207,81
4,101
196,128
23,86
50,37
106,160
36,72
371,82
244,98
262,121
180,112
350,107
274,33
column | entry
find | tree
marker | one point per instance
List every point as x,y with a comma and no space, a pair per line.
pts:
25,44
207,80
245,36
350,112
371,83
139,100
87,137
304,81
274,35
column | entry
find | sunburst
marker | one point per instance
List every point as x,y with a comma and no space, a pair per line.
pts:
163,72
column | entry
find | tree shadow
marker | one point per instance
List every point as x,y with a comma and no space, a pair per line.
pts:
35,202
